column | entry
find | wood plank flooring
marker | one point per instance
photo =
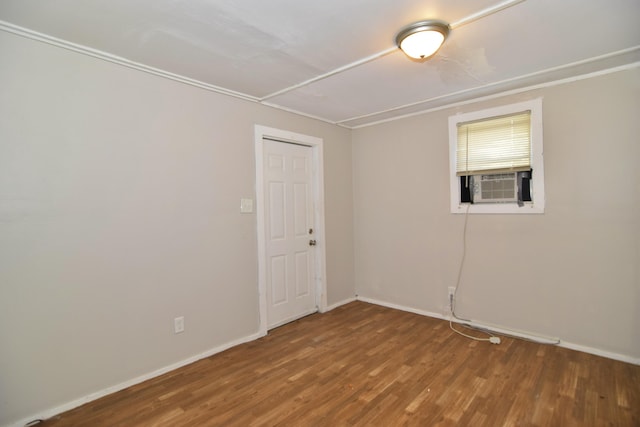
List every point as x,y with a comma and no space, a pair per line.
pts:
366,365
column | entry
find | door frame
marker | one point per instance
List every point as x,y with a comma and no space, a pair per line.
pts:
317,176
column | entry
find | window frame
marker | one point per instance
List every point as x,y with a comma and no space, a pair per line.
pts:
537,205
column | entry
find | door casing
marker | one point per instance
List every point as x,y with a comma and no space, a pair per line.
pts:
316,144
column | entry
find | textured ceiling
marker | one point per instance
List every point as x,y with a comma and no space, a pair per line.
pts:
335,59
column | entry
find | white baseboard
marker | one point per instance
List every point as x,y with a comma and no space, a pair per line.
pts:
602,353
338,304
511,332
109,390
401,307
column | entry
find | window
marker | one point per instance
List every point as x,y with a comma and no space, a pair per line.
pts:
496,160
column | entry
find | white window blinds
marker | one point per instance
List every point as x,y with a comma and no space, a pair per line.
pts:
495,145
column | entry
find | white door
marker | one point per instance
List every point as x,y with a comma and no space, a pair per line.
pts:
290,235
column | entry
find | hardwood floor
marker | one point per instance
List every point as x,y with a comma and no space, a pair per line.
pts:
366,365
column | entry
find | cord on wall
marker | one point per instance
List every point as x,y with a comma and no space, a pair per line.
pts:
452,296
452,302
467,323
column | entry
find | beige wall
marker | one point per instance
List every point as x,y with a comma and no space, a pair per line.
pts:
572,272
119,210
119,197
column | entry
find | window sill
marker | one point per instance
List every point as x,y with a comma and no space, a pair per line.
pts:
498,208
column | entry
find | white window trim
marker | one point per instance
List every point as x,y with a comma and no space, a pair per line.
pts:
537,182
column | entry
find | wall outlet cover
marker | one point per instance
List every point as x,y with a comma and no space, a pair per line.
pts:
178,324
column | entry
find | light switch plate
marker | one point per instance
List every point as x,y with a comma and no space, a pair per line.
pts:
246,205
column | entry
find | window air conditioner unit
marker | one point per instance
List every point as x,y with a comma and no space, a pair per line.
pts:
495,188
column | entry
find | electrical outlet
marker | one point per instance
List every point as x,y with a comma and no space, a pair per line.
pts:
448,307
178,324
446,312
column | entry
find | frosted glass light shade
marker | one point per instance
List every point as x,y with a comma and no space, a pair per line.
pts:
422,39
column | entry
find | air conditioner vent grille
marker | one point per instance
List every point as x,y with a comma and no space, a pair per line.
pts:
496,188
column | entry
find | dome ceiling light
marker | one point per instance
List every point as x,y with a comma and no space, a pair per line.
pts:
422,39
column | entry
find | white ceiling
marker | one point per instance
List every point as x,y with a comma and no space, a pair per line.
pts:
302,55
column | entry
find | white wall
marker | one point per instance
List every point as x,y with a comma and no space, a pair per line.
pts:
119,210
572,272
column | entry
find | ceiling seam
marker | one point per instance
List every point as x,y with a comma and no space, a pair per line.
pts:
471,18
484,13
332,72
498,83
34,35
98,54
558,82
300,113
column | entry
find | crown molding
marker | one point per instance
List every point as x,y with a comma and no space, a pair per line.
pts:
575,71
95,53
589,68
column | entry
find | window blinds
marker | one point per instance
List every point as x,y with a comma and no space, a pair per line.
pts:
494,145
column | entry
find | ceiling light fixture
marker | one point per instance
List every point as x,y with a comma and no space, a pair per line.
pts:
422,39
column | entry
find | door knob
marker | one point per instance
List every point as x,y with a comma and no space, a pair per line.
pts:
312,242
